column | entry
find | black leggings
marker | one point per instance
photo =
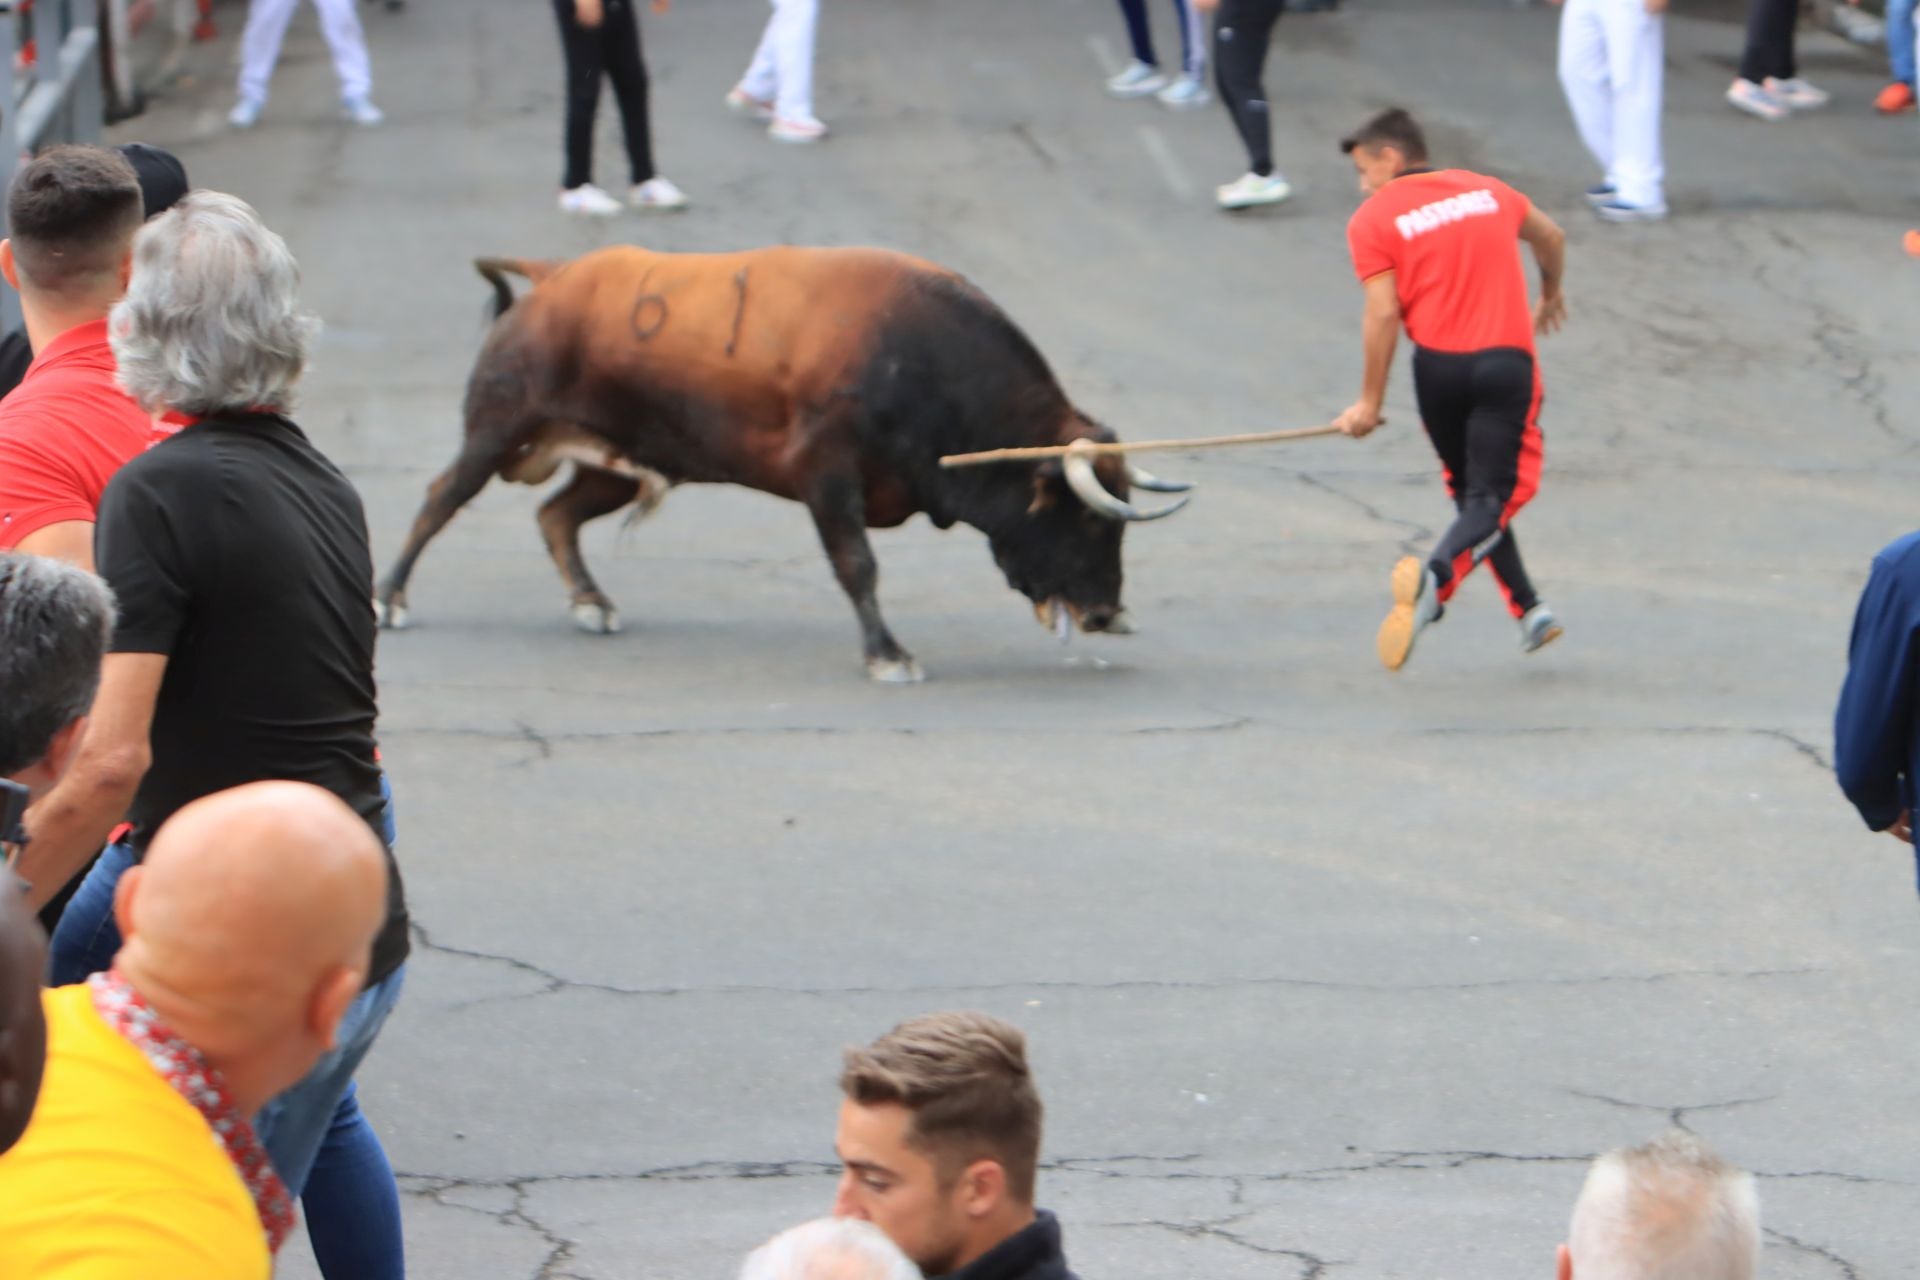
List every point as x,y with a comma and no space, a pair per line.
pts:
1481,411
611,49
1769,50
1242,31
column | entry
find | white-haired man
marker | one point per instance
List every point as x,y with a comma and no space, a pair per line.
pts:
830,1249
1669,1210
243,653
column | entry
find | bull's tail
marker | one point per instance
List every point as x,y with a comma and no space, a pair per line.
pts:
496,271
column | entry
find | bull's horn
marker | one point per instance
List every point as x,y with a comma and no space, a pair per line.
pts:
1078,466
1141,478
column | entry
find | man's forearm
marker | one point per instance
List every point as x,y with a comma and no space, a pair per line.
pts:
1552,258
72,823
1381,333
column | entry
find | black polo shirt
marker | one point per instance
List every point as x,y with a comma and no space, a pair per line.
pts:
1033,1253
240,552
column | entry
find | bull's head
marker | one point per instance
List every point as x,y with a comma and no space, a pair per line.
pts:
1064,553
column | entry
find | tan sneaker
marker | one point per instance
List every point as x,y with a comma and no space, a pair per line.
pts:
1416,602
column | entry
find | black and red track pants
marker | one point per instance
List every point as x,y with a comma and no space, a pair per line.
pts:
1482,412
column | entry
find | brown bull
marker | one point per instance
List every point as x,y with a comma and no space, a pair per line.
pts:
834,377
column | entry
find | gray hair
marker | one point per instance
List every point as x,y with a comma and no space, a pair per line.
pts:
1669,1210
830,1249
211,321
55,621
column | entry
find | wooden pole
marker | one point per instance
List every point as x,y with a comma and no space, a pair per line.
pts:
1141,446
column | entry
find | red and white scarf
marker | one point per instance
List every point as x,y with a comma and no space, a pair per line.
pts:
182,1066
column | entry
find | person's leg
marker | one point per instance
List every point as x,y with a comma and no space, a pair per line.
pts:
1139,31
1502,463
1242,31
351,1202
260,46
581,48
1511,574
627,69
1900,40
794,25
340,24
1769,47
762,80
1636,59
1585,78
293,1126
88,939
1193,39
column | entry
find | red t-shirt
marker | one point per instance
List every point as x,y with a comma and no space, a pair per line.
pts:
1451,239
64,431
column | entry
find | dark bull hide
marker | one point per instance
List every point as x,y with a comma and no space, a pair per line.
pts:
834,377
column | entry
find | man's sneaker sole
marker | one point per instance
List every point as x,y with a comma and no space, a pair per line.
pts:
1545,638
1397,633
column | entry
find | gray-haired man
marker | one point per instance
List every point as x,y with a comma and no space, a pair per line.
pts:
54,621
830,1249
1669,1210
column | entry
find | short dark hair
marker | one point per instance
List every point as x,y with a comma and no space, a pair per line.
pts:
964,1077
72,213
1394,128
54,624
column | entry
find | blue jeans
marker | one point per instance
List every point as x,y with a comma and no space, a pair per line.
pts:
1900,39
319,1142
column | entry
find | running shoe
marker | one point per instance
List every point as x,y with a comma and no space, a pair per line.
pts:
1416,602
1539,628
1250,189
362,112
1895,99
742,103
1756,100
658,194
1137,81
588,201
1911,243
1621,211
1797,95
1184,94
1601,194
245,113
798,131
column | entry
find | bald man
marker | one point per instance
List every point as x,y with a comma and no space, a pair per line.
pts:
23,1027
248,932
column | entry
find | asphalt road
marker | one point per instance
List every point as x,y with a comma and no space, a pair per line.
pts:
1327,972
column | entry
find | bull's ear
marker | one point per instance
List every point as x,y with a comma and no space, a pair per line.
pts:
1049,487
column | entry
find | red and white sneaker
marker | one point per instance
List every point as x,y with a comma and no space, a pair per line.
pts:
796,130
742,103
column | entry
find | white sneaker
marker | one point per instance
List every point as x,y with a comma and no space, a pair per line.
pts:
1137,81
1250,189
1754,99
657,193
588,201
1416,603
800,131
1185,93
245,113
742,103
1539,629
362,112
1797,94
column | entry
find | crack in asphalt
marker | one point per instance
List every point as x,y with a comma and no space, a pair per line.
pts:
1847,1270
1413,532
1676,1115
552,981
1312,1266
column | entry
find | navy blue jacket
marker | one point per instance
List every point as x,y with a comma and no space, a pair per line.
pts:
1876,730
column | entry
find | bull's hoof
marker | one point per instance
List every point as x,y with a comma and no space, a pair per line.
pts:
391,615
1121,625
596,619
894,671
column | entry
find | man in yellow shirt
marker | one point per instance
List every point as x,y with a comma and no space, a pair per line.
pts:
248,933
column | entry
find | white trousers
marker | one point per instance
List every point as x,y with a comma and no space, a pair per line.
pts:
1612,65
782,69
267,26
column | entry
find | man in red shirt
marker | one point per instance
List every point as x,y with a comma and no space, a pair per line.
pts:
72,213
1435,250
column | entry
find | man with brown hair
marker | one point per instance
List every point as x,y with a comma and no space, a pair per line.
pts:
939,1142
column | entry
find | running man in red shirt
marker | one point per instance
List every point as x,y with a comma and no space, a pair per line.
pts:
72,213
1436,251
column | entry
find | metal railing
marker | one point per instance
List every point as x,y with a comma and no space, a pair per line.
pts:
50,90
